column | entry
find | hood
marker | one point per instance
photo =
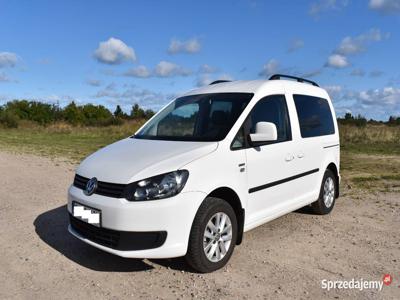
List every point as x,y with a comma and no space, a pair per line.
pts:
133,159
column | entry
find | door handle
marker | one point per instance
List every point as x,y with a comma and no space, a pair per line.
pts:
300,155
289,157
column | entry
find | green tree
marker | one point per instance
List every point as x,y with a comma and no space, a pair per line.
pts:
348,116
118,113
149,113
73,114
96,115
137,112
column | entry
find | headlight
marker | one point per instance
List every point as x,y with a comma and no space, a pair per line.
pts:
157,187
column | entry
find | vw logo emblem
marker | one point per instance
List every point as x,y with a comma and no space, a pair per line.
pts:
91,186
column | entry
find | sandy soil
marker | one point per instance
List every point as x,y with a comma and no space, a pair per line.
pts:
286,258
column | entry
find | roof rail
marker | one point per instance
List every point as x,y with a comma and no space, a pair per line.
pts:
298,79
219,81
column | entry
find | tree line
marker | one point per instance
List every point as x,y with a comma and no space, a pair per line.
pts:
361,121
41,113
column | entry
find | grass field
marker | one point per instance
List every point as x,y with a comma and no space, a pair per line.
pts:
370,155
63,140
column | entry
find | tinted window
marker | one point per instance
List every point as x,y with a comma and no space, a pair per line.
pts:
269,109
272,109
205,117
315,116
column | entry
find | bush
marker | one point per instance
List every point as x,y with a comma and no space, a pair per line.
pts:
9,120
349,119
72,114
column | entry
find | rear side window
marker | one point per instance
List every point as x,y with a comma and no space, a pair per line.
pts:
315,116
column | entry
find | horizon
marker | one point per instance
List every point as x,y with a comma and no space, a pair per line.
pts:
128,53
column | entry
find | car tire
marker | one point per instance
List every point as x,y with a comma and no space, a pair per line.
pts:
327,194
208,239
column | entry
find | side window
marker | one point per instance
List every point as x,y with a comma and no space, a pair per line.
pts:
272,109
239,141
269,109
315,116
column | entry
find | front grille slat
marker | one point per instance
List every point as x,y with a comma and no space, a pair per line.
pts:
113,190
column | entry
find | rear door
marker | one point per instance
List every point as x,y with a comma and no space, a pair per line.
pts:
316,128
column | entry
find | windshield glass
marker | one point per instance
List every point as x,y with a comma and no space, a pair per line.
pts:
205,117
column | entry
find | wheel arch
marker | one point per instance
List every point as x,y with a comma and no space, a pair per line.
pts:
230,196
332,166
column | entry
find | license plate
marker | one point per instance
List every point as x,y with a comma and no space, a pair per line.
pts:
87,214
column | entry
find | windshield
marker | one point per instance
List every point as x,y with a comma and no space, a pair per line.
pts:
205,117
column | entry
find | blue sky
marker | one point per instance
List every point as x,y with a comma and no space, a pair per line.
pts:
122,52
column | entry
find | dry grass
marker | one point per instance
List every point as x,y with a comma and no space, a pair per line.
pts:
372,139
63,140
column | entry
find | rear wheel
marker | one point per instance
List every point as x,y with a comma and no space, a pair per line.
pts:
213,236
327,195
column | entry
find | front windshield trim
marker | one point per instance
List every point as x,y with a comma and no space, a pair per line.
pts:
198,138
175,138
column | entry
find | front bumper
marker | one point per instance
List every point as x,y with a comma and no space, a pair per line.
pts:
173,215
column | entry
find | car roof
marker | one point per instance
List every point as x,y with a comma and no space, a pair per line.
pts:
256,86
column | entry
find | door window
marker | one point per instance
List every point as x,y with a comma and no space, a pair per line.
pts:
271,109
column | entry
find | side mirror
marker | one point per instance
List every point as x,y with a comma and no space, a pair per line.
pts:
265,132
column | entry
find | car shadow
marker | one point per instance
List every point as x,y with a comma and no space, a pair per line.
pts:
51,226
306,210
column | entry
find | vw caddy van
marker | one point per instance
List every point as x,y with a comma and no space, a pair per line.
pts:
211,165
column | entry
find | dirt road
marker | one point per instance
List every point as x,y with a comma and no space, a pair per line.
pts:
285,258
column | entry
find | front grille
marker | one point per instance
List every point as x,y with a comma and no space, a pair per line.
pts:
114,190
119,240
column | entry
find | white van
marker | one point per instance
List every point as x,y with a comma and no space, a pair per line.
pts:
214,163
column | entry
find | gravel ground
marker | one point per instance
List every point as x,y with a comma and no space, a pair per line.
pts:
286,258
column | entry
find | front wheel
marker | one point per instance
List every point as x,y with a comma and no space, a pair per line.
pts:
213,236
327,195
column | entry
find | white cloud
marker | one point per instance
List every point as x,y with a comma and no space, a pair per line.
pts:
337,61
4,78
353,45
389,96
114,51
357,72
295,45
8,59
334,91
94,82
374,103
308,74
376,73
385,6
132,94
321,6
140,71
206,79
189,46
44,61
271,67
168,69
162,69
205,68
